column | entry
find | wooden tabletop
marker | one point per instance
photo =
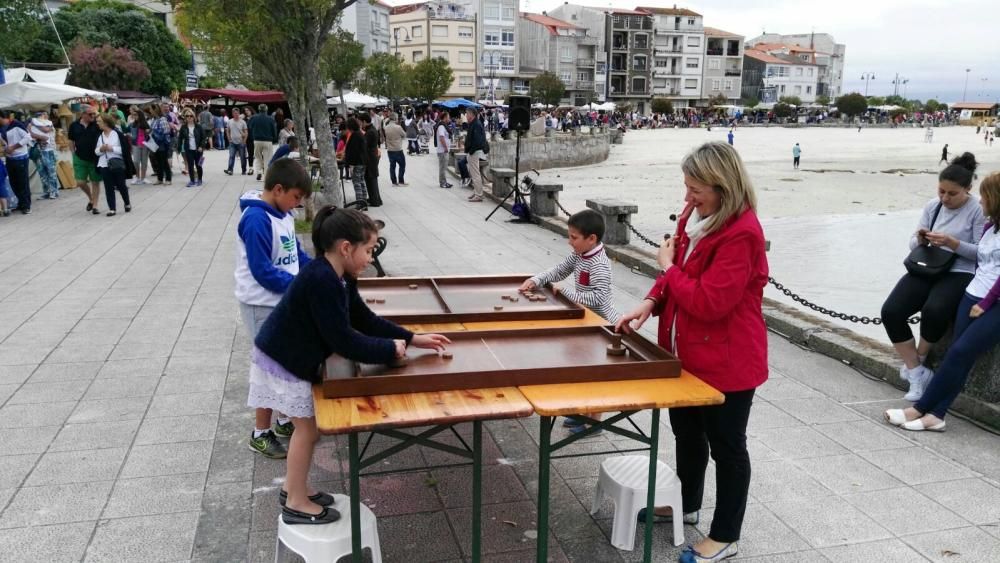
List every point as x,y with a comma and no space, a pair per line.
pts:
571,398
590,318
364,414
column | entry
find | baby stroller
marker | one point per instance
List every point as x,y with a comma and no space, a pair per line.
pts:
423,143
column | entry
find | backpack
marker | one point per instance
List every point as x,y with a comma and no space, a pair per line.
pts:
436,125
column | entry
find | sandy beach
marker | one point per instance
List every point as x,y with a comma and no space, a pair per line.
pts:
838,226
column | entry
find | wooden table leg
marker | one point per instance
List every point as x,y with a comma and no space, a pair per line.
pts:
654,442
355,470
544,451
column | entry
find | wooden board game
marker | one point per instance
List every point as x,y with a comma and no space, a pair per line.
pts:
506,358
463,299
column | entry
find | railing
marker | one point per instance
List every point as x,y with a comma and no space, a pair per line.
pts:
660,72
711,51
666,92
636,45
734,72
449,15
735,53
584,83
585,62
667,50
619,46
615,68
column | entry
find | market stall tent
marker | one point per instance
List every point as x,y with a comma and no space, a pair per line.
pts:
36,95
234,95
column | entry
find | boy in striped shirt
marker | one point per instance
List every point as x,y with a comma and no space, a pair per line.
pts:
591,271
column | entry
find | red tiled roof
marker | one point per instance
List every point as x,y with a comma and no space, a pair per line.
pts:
675,11
619,11
407,8
763,57
715,32
548,21
790,46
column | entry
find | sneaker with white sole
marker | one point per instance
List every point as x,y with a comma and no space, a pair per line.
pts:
919,377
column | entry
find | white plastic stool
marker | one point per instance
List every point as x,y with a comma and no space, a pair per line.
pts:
326,543
625,480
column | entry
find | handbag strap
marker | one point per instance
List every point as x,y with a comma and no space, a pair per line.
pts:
934,218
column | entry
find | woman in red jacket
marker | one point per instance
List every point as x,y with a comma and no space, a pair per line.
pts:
708,298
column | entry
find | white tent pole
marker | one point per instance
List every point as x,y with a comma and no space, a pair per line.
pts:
56,29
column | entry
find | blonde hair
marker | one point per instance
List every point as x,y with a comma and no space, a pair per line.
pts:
989,191
720,166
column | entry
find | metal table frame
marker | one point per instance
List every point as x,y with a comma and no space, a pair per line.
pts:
358,462
546,447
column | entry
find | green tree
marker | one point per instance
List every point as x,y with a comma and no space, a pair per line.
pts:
791,100
895,101
286,40
718,100
547,88
107,22
383,76
624,107
782,109
106,68
429,79
876,101
588,97
232,66
823,100
751,103
661,106
22,23
933,105
341,61
852,104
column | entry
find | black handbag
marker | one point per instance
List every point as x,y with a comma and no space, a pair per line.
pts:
926,261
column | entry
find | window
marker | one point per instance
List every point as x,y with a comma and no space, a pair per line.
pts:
809,89
782,88
465,31
810,72
693,41
728,84
566,54
804,57
418,56
582,76
692,63
641,41
602,67
491,37
715,85
638,85
491,13
690,21
798,71
639,62
465,56
782,71
417,31
465,81
508,14
439,55
690,83
439,30
565,77
506,62
798,90
507,38
660,63
713,64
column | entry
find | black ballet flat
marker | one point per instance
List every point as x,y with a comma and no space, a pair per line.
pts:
326,516
320,498
128,208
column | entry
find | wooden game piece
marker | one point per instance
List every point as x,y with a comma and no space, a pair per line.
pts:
514,299
413,286
369,300
498,307
447,355
380,301
616,348
505,297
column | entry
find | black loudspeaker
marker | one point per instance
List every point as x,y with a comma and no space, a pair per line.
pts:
520,113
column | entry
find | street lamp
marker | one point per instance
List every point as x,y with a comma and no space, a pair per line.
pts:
966,89
868,76
395,37
491,94
897,83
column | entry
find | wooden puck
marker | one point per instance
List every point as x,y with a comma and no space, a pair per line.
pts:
514,299
447,355
370,300
413,286
616,350
505,297
498,307
398,362
380,301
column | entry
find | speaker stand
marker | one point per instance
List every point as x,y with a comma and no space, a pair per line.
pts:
514,190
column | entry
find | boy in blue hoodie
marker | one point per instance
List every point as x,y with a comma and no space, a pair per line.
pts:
270,256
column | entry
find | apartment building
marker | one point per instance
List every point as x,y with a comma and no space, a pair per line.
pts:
767,76
678,54
829,57
629,47
723,66
369,23
566,50
442,30
592,20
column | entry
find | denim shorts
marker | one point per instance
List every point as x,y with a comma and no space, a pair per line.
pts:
254,317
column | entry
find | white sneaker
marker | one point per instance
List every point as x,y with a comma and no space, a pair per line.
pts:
919,377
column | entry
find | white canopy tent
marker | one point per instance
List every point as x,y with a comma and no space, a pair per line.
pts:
606,106
36,95
45,76
354,99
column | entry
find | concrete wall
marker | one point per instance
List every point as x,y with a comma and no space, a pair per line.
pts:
558,151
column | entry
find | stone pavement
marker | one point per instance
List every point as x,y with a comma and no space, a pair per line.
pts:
123,385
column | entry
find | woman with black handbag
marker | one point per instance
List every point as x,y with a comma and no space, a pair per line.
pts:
114,162
941,263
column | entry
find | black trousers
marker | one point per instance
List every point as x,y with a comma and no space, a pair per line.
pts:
114,180
719,431
371,181
935,299
162,159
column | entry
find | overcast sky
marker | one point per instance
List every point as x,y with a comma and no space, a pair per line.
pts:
929,42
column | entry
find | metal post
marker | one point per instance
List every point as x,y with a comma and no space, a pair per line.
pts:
477,489
544,451
966,89
654,442
355,471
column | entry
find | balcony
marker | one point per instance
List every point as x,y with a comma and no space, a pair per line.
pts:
585,62
664,72
520,90
734,72
666,92
714,51
445,14
667,51
733,53
584,84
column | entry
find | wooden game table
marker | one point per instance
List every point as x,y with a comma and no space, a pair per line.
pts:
442,410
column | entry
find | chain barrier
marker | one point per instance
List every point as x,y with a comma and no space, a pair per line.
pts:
787,292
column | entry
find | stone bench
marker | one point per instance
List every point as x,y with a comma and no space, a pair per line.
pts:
544,198
616,214
501,184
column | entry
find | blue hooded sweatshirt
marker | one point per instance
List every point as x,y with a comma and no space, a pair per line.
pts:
270,254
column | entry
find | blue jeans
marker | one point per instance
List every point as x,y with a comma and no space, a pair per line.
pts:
463,167
220,139
46,166
234,149
397,157
972,338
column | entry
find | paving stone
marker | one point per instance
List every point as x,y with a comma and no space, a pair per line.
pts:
65,371
121,387
61,468
195,383
16,375
863,435
965,545
186,404
884,551
506,527
14,468
405,493
30,416
145,367
109,410
156,495
224,523
35,393
973,499
764,533
55,504
58,542
784,480
797,442
838,522
80,353
848,473
663,550
82,436
894,509
6,390
161,537
190,428
185,457
410,538
31,440
816,410
500,484
765,415
811,556
916,466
